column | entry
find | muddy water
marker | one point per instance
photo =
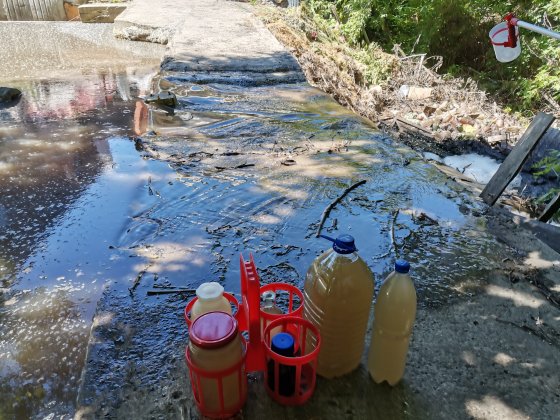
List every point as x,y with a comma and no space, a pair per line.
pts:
84,215
262,164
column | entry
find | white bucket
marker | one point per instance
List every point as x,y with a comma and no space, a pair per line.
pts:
498,35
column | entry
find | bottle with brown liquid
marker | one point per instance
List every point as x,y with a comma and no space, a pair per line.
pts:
337,298
395,311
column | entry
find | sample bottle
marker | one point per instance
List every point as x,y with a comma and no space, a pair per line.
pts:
337,298
215,345
210,298
268,305
284,345
395,311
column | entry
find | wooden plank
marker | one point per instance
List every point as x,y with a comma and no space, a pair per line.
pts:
550,209
33,10
515,160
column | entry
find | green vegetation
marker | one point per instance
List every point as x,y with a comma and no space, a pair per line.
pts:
549,166
457,31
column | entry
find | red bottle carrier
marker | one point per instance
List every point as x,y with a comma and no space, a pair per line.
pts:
307,346
197,375
231,299
258,352
201,378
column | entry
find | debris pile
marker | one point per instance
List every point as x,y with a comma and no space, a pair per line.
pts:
414,100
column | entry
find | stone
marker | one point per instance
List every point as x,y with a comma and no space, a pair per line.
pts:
416,92
163,98
100,12
496,139
9,94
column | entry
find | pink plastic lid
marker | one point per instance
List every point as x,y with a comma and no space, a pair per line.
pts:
213,330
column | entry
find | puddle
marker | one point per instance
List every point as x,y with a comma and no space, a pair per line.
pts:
86,215
70,181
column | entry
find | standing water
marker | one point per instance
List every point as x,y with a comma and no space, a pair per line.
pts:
68,176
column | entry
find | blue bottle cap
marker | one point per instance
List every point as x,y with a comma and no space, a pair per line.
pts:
402,266
343,244
283,344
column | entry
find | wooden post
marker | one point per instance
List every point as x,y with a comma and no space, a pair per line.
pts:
518,156
550,209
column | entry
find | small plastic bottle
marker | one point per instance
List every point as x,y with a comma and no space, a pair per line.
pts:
269,306
395,312
210,298
284,345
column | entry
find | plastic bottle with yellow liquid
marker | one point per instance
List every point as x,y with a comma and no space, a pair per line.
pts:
338,293
395,312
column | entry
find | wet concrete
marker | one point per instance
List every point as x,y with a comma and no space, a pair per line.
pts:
35,50
69,175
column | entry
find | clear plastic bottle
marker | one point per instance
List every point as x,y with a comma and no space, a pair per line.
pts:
210,298
337,298
268,305
395,312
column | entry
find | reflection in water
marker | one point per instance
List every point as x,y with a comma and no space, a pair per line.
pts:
53,147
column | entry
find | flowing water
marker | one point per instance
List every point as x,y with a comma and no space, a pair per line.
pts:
91,220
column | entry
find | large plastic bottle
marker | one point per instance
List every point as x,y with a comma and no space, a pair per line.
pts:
210,298
337,298
395,311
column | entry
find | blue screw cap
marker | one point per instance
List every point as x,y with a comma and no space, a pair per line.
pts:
343,244
402,266
283,344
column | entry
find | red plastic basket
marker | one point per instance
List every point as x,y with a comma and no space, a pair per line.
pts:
231,299
305,364
197,375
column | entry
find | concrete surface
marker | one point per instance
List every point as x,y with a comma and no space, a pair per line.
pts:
141,21
225,36
207,36
37,49
100,12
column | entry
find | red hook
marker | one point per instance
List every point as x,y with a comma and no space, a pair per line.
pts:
512,36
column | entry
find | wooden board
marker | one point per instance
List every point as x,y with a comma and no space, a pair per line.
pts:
33,10
514,162
550,209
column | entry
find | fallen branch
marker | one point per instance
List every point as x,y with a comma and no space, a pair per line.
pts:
170,291
334,203
393,241
537,332
412,127
137,281
551,296
243,165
